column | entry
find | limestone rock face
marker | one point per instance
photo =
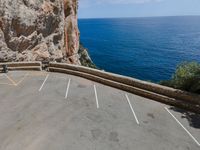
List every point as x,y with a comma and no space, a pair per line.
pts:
41,30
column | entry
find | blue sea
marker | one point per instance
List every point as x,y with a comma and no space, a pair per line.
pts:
144,48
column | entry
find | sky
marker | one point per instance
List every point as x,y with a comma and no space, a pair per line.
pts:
137,8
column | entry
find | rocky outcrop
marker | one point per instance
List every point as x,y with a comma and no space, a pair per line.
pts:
85,59
41,30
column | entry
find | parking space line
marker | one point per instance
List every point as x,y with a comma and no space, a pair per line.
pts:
67,90
6,84
134,114
97,101
22,78
11,80
183,127
43,82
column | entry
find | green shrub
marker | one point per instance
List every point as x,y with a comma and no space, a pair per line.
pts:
186,77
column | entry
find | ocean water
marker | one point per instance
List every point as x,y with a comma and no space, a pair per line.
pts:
143,48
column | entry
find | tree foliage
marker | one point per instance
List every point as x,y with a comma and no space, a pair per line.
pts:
186,77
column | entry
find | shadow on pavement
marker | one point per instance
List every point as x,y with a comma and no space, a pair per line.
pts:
193,118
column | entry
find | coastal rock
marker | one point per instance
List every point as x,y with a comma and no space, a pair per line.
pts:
41,30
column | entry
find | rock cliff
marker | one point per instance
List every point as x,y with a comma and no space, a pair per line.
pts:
41,30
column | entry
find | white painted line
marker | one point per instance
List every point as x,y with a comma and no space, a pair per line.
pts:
11,80
132,109
6,84
67,91
23,78
95,91
43,83
183,127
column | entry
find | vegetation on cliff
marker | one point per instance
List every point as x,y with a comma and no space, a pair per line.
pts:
186,77
85,59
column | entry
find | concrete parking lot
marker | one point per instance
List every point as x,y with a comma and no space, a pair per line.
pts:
52,111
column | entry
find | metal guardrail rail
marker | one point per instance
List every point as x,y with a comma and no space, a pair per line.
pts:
166,95
178,98
21,66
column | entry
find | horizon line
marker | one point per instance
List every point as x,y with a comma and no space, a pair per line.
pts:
141,17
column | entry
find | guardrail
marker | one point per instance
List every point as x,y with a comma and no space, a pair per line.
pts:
21,66
149,90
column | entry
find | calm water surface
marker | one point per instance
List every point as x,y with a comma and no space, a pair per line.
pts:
144,48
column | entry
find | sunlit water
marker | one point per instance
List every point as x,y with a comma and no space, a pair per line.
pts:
144,48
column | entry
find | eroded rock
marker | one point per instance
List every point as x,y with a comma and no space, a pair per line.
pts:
44,30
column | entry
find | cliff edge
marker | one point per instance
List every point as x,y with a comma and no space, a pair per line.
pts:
39,30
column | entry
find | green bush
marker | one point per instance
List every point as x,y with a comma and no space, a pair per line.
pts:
186,77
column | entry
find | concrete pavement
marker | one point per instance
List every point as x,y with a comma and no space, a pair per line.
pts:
52,111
